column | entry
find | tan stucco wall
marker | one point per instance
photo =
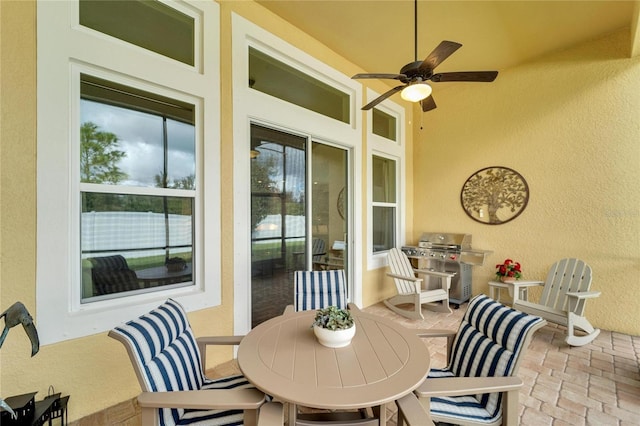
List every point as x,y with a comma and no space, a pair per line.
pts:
95,370
559,131
570,124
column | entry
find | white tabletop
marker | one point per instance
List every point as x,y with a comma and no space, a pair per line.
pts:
384,362
518,289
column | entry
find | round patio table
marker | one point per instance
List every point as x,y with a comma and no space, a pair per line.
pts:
384,362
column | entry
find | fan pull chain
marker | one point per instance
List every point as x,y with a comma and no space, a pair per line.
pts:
415,32
421,116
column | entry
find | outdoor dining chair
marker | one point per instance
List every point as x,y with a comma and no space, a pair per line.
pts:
320,289
479,386
169,363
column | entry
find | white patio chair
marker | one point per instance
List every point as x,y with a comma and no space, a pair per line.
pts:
410,288
563,300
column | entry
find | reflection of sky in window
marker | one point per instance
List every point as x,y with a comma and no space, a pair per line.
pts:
295,167
140,136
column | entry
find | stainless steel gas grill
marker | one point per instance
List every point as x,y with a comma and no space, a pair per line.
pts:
447,252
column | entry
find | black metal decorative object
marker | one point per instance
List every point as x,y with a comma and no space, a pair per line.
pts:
18,314
494,195
24,409
14,315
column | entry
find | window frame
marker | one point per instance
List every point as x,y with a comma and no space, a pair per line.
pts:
394,150
65,49
78,70
385,204
252,106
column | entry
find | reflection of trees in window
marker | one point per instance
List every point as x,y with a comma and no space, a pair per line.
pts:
99,156
262,170
187,182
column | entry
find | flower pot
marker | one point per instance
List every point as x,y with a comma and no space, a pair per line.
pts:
334,338
508,279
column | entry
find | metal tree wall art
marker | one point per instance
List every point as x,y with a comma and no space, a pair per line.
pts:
494,195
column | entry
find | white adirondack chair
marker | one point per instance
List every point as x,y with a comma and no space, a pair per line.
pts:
410,289
563,299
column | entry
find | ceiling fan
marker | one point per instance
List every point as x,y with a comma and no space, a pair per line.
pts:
414,75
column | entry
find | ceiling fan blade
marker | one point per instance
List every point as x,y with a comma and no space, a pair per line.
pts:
481,76
428,104
401,77
382,97
439,54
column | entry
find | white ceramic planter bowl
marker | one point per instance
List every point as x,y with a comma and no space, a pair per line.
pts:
334,338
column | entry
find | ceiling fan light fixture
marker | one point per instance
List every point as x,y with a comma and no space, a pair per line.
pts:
416,92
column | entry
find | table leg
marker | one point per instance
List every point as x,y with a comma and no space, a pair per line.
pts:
382,414
492,292
293,413
515,289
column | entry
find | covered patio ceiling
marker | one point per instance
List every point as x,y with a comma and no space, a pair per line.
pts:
378,35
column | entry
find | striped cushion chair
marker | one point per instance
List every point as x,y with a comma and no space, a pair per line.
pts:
484,357
320,289
167,359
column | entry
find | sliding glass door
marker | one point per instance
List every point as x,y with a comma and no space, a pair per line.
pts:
329,192
298,214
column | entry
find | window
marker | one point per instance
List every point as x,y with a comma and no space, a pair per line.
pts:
135,139
384,203
124,153
137,22
386,183
275,78
384,124
254,106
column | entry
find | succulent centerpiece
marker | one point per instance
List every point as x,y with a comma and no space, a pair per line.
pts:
334,327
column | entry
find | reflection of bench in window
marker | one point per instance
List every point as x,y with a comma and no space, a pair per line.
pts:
111,274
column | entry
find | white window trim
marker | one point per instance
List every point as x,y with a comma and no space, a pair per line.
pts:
394,150
65,48
253,106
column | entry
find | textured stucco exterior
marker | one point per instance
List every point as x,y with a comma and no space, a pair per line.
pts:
568,123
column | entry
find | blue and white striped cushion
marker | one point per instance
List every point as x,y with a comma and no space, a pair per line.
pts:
320,289
166,350
217,417
490,337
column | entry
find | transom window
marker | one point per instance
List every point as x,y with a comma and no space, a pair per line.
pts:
384,124
137,22
275,78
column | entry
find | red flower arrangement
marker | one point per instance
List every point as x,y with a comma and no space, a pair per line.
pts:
509,269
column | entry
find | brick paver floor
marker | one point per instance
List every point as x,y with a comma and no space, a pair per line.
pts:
597,384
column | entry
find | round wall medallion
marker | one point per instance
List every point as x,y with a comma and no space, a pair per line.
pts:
494,195
341,203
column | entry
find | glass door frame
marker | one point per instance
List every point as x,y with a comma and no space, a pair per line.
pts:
242,293
333,258
249,106
349,223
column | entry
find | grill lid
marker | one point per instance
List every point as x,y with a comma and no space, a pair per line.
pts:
444,240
